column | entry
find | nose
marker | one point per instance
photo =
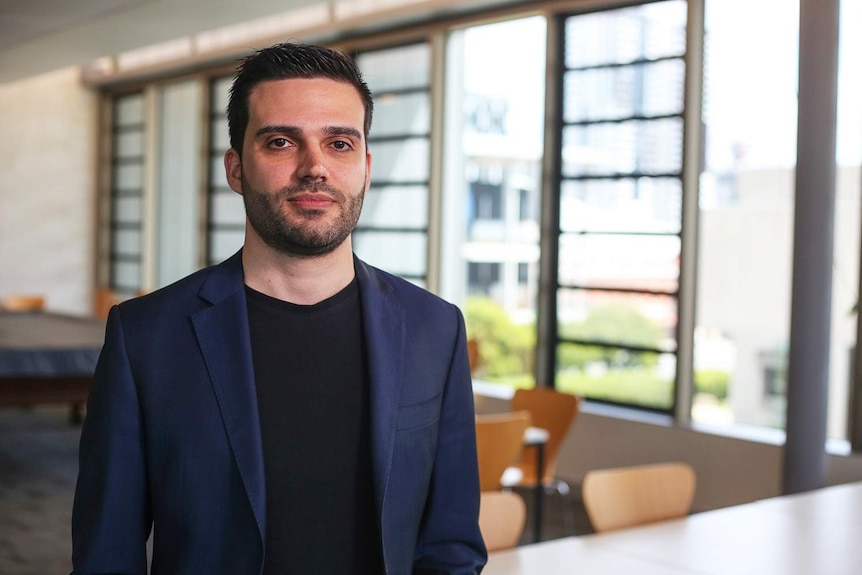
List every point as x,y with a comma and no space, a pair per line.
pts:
311,165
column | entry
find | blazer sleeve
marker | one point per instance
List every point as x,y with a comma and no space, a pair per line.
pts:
111,517
450,542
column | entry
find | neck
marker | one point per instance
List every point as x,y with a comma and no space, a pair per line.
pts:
298,280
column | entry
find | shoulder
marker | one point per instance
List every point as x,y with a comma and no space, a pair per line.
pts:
187,295
416,301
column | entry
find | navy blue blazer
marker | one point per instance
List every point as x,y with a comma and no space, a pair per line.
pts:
171,440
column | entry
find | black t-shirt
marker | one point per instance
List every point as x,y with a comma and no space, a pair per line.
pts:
312,389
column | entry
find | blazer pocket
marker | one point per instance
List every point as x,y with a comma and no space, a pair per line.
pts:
419,414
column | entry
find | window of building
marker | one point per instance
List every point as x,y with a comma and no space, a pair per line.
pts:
393,230
846,243
226,213
495,90
128,159
745,233
620,204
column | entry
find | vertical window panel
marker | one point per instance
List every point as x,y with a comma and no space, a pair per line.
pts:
746,204
492,190
392,232
620,204
127,186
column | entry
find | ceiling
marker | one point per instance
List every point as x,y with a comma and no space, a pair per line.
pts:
38,36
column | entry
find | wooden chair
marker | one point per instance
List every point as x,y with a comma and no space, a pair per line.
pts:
554,412
499,441
23,303
636,495
473,354
502,516
103,300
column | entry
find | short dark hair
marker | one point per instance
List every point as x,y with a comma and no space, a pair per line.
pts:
283,62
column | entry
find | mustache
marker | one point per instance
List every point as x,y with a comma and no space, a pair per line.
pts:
310,188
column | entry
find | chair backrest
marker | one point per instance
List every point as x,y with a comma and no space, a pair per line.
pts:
629,496
23,303
473,354
552,411
103,300
502,516
499,441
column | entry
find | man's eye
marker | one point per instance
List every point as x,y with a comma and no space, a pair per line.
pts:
279,143
341,145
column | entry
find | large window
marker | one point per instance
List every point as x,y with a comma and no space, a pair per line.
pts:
492,190
620,204
845,280
128,159
746,212
393,230
669,228
226,214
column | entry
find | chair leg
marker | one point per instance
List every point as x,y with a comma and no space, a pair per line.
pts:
563,490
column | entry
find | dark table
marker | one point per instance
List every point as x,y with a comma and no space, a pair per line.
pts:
48,358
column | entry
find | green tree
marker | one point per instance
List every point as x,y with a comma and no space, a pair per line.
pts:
505,348
611,324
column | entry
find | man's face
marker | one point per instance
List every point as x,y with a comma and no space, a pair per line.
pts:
305,166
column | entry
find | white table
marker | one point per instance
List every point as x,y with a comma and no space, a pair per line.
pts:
815,533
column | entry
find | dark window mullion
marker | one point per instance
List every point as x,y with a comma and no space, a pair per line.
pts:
613,345
633,291
636,62
390,230
623,119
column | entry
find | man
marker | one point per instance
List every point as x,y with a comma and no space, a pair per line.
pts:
291,410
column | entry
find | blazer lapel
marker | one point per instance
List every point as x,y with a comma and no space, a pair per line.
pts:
223,336
385,341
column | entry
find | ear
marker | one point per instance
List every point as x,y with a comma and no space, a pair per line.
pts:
233,170
367,170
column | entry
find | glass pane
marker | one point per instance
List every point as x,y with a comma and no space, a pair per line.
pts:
650,31
227,208
126,242
220,92
220,139
615,318
395,207
845,282
400,169
625,205
402,115
632,147
400,162
397,253
622,262
127,210
224,243
129,110
129,144
616,375
396,68
746,213
128,177
620,92
492,190
126,275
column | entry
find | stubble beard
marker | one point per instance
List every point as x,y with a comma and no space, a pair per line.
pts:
310,234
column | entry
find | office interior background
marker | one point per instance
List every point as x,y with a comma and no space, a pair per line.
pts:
605,188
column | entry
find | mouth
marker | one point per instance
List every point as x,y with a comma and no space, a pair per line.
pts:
311,200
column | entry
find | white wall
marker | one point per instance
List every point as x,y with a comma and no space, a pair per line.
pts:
47,189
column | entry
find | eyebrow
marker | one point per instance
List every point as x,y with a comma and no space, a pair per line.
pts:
295,132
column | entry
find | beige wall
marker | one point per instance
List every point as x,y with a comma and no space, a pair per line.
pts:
729,471
47,189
